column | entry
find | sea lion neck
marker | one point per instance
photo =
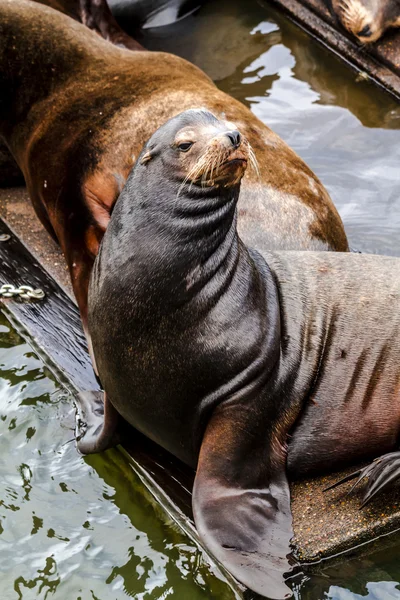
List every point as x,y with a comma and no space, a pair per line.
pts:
170,236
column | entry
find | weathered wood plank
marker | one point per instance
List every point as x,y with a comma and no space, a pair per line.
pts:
380,62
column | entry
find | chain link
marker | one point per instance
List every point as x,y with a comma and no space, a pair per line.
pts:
26,292
23,291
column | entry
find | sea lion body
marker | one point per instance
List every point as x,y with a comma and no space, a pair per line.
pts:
367,20
339,356
81,121
218,352
340,328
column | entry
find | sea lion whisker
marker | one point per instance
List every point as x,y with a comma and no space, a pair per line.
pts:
193,174
214,164
253,160
184,182
217,162
207,167
354,15
219,156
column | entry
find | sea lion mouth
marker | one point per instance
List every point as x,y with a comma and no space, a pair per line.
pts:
231,171
235,156
235,160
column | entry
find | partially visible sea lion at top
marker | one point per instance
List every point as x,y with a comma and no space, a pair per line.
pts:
96,15
367,20
248,366
76,118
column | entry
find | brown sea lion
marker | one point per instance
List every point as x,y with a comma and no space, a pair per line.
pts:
367,20
76,118
218,352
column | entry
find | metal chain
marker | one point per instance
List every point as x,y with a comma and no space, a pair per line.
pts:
23,291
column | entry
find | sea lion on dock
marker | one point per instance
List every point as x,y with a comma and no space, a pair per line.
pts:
367,20
76,118
244,365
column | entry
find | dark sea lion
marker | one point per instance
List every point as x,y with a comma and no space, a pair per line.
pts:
367,20
226,357
76,118
96,15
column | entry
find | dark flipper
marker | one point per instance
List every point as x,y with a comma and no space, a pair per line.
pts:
241,503
381,473
96,15
96,423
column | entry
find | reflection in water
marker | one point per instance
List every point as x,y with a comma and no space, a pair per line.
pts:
74,528
346,130
375,577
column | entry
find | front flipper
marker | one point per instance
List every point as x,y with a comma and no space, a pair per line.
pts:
381,473
96,423
241,502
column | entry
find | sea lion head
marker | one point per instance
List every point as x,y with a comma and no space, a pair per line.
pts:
198,150
367,20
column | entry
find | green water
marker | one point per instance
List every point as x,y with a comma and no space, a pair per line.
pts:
74,528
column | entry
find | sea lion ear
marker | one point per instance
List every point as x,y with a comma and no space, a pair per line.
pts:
241,504
146,158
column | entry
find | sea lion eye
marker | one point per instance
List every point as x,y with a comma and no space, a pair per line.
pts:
185,146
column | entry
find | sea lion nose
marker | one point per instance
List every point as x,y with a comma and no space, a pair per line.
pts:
235,138
365,32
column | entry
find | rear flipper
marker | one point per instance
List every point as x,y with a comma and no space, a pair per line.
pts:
96,423
241,501
96,15
381,474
